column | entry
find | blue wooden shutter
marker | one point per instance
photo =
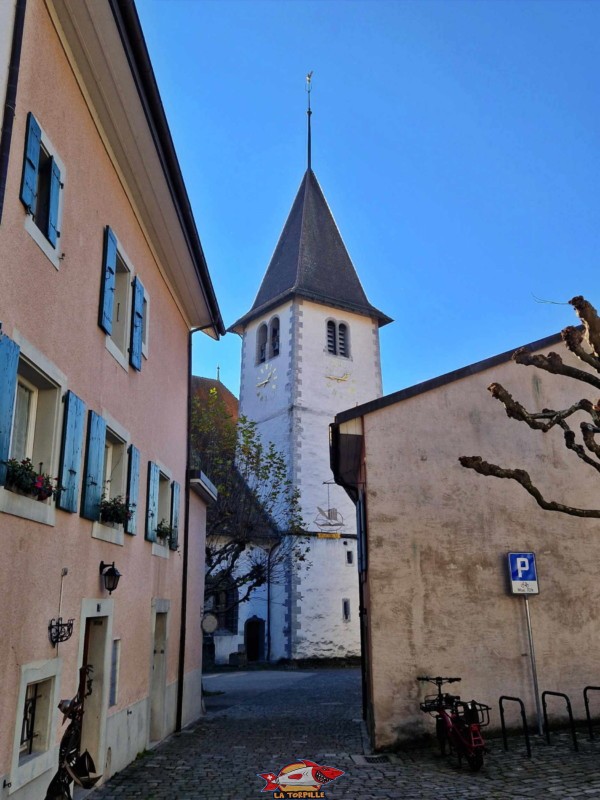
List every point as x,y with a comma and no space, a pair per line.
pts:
137,320
152,507
9,363
93,484
107,286
53,232
31,163
133,486
175,495
70,455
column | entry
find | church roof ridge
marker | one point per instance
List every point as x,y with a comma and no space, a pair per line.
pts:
310,260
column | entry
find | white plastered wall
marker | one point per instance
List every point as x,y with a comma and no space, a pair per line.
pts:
294,397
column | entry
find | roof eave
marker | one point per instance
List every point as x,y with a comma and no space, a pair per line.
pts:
134,43
290,294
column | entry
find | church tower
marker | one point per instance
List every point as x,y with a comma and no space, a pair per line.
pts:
311,349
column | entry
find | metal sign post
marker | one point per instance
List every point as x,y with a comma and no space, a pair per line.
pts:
523,579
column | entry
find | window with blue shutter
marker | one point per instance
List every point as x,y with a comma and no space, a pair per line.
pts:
152,502
133,488
41,187
31,163
93,485
107,286
53,232
175,498
137,325
71,449
9,363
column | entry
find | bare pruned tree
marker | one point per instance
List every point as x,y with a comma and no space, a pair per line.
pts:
583,342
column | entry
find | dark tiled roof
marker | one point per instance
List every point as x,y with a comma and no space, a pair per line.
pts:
311,261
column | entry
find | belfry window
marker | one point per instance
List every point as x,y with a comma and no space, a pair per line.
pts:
343,340
338,340
261,344
331,338
274,338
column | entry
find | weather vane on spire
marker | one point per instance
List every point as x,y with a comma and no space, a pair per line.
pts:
308,111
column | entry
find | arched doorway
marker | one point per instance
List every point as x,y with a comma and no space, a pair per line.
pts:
254,639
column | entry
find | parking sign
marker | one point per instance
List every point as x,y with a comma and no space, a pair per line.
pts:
522,573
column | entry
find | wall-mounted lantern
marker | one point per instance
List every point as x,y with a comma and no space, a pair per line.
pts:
111,576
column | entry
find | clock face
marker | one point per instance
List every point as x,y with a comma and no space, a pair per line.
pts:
266,381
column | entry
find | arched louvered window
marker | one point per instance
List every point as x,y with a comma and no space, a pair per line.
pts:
343,340
274,338
338,339
261,344
331,337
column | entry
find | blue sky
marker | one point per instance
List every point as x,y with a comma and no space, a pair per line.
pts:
457,143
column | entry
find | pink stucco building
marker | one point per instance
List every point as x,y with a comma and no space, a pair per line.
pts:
102,281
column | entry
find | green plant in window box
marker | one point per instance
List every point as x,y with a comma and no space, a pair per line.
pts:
21,476
163,530
115,509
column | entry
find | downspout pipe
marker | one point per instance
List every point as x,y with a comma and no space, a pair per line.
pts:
10,103
186,539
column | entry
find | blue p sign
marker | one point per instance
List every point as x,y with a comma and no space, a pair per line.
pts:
523,574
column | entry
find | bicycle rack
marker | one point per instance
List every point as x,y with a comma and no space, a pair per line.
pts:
570,711
523,717
587,708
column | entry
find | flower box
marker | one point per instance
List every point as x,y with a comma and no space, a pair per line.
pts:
115,510
23,478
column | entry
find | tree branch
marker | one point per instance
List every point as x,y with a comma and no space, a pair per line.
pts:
477,464
553,363
573,339
541,421
589,431
578,449
591,324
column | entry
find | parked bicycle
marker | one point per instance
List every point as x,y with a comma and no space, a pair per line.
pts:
457,723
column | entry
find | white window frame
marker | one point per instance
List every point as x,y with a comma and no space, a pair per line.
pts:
25,770
114,445
122,439
165,490
122,355
15,504
54,254
29,436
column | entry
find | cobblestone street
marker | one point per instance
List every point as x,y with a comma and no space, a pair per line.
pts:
265,720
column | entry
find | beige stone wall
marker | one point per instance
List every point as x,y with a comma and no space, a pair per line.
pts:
438,537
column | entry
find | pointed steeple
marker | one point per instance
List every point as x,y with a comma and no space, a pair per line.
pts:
311,261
